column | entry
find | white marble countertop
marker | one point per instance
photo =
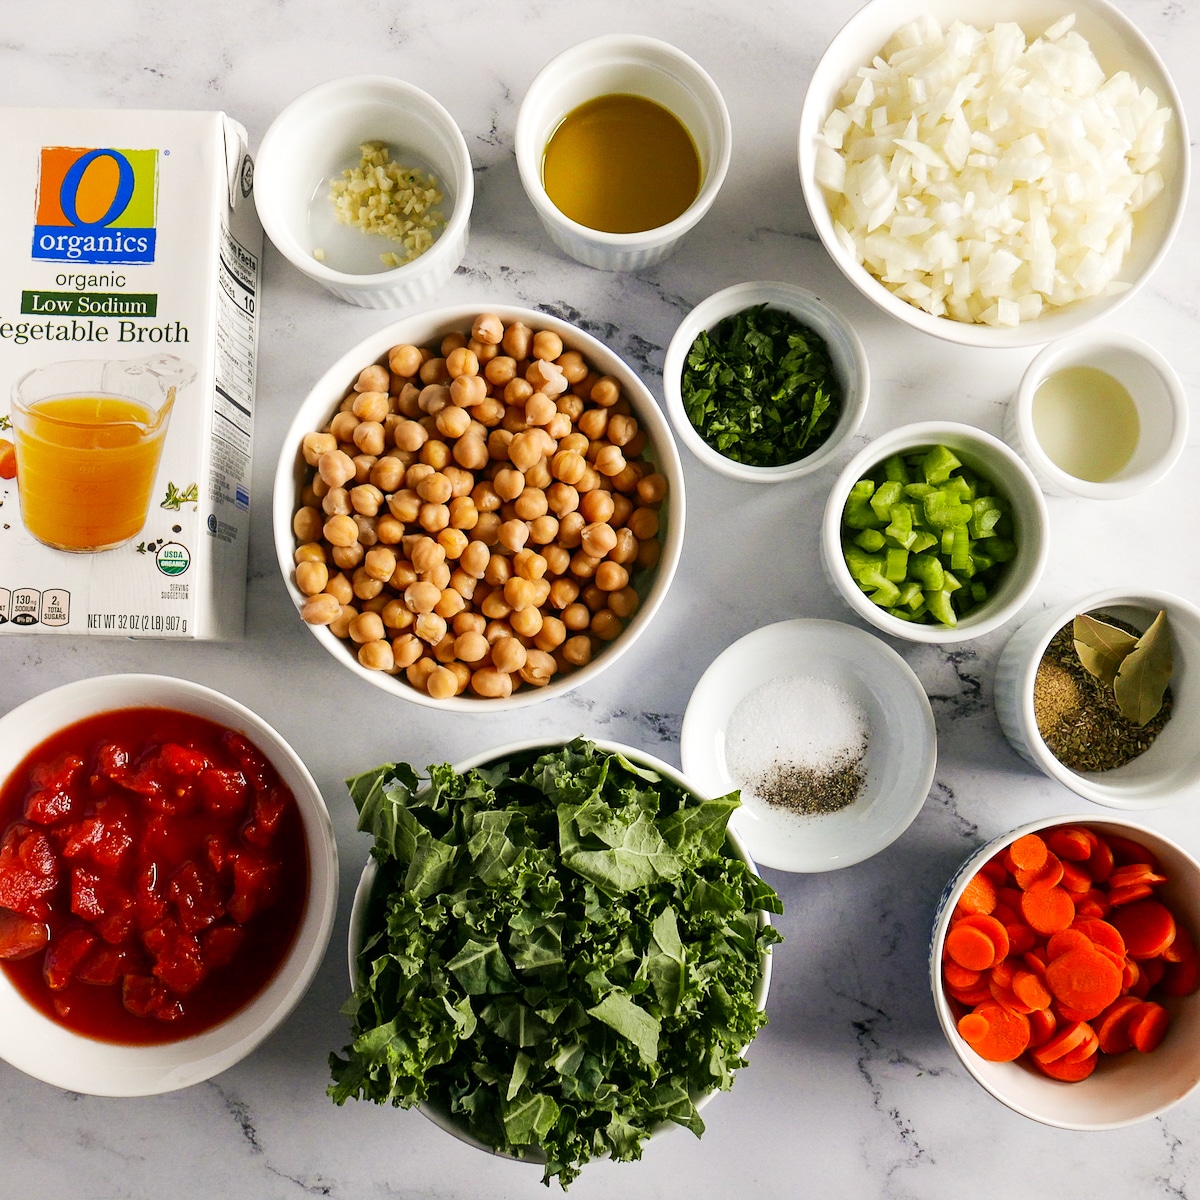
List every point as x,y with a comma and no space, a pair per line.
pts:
852,1091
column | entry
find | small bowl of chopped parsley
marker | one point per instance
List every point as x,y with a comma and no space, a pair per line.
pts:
764,381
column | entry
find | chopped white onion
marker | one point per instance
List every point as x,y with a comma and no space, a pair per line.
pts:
985,178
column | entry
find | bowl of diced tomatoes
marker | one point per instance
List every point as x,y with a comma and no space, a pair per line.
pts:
168,881
1065,971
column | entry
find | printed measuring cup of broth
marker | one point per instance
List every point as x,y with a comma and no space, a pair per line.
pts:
88,437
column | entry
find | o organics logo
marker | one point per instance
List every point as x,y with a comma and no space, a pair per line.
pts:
96,206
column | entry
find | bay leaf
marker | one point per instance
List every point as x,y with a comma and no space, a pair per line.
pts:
1101,647
1144,675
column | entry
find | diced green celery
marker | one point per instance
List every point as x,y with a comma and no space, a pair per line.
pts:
942,509
960,489
885,596
864,489
912,595
859,561
922,541
960,552
900,530
917,490
895,470
927,570
986,513
980,562
896,568
870,540
949,582
941,608
937,464
859,514
1001,549
885,495
947,541
979,592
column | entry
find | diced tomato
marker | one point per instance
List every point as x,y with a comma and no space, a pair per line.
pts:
28,872
255,884
103,965
177,960
87,900
52,795
253,764
269,807
65,952
182,760
222,791
142,994
105,838
118,922
168,1010
112,762
20,936
221,942
217,849
60,774
150,907
198,896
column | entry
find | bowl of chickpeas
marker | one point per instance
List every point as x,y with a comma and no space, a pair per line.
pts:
478,508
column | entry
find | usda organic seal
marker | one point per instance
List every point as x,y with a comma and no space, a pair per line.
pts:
173,558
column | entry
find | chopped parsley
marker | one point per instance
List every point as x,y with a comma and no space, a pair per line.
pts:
760,388
560,951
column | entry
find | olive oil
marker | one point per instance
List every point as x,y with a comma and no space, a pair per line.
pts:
621,164
1086,422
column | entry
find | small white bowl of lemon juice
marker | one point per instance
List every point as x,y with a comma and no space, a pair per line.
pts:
1099,415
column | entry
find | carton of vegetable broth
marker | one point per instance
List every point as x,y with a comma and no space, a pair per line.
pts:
130,258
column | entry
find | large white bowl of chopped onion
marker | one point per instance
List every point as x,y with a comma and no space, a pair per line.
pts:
994,174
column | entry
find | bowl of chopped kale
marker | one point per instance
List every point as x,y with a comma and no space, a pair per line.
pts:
557,950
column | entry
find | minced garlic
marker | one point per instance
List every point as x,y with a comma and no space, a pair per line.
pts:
381,196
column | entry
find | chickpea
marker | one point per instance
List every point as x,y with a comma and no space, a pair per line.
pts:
340,625
372,406
649,552
594,598
570,530
576,616
597,539
610,461
430,627
526,622
540,409
539,668
622,507
508,654
335,468
543,529
463,583
340,530
489,412
407,649
605,392
487,327
572,365
471,647
501,370
316,444
583,565
643,523
494,606
546,377
346,558
409,435
513,535
509,483
366,627
551,635
593,423
471,452
624,602
340,588
434,488
452,341
475,559
404,361
366,499
558,559
403,575
652,489
377,655
366,529
419,672
387,474
396,614
321,609
530,504
577,650
450,604
518,592
452,541
422,596
562,499
441,683
311,577
461,361
433,518
626,550
439,576
516,392
546,345
611,577
379,563
310,552
490,682
343,426
433,370
336,502
517,340
590,482
365,586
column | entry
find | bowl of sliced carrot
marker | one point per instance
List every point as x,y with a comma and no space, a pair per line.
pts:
1065,971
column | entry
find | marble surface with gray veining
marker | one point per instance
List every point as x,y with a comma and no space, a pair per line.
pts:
852,1091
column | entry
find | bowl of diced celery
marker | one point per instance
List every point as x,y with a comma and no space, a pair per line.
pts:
935,532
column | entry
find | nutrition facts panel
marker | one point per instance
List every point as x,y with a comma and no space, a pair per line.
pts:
236,330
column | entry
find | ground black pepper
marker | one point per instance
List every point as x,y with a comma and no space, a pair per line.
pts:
1077,714
810,791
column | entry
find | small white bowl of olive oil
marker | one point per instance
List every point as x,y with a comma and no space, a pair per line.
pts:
622,144
1099,415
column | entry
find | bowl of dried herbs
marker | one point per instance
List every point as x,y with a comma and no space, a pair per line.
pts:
765,381
1100,694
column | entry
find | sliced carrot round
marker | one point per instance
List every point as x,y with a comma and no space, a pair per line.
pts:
1027,853
1084,980
1147,927
1071,842
1042,1024
1049,874
1029,987
1112,1026
1181,978
959,976
1147,1026
1102,933
1068,1038
1069,1072
979,896
970,947
1006,1037
1067,939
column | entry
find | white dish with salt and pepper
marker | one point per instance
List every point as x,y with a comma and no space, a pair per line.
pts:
803,693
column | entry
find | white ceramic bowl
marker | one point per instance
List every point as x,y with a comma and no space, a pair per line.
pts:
626,64
51,1052
440,1114
1117,44
1154,388
1169,771
316,137
992,460
845,350
901,752
1124,1089
429,327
